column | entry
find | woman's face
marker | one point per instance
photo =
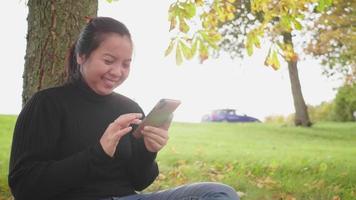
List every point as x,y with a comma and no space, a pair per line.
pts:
108,65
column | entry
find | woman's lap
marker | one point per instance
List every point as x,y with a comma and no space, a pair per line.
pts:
195,191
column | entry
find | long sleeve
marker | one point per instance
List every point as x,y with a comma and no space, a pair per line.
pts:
143,167
34,172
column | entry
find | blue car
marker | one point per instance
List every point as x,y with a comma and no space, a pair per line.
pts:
227,115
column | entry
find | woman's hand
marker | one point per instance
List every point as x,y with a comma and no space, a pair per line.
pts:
116,130
156,138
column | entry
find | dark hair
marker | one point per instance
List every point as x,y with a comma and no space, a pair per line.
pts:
89,39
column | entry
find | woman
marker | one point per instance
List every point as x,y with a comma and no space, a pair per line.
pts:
74,141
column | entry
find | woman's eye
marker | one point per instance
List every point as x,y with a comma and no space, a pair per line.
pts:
108,62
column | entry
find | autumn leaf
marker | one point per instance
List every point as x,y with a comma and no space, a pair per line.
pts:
183,26
297,25
199,2
203,52
173,24
266,182
272,59
336,198
179,58
170,48
189,9
194,47
186,50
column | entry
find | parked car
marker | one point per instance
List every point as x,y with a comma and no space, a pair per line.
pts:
227,115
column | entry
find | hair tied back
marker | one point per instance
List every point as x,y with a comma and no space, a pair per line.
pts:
88,19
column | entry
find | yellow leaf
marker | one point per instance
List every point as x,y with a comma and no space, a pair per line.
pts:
290,197
336,198
194,47
230,16
183,26
186,51
189,9
272,59
275,62
173,24
179,59
203,52
169,49
199,2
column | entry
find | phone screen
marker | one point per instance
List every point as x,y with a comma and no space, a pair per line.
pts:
161,114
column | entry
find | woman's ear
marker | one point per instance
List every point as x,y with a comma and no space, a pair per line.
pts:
80,59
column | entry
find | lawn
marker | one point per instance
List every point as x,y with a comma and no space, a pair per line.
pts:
261,161
7,123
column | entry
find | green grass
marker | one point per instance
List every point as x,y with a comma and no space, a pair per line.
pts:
7,123
263,161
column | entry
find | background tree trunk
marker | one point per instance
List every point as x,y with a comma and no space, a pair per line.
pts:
53,25
301,112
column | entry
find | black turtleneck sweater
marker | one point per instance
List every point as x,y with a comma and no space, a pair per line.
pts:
56,152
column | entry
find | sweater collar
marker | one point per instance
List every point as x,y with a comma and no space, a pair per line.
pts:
88,92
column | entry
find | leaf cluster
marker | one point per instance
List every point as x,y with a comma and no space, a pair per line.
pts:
235,25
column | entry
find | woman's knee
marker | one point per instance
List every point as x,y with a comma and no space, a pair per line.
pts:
219,191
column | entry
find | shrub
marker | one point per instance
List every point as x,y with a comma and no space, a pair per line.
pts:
321,112
345,103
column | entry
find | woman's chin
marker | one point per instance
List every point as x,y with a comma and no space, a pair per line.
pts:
105,90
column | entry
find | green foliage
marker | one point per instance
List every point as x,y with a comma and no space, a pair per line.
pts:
322,112
241,23
345,103
333,38
275,119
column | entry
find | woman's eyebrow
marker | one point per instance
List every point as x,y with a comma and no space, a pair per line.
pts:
108,54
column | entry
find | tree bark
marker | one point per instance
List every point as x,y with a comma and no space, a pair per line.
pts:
53,26
301,111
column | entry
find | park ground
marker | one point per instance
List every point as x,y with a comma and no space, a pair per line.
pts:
261,161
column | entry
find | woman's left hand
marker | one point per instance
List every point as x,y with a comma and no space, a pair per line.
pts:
155,138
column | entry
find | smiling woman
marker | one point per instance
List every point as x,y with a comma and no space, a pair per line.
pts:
108,66
74,141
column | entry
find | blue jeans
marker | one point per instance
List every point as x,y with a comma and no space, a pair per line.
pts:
195,191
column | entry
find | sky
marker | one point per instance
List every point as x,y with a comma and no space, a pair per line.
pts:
245,85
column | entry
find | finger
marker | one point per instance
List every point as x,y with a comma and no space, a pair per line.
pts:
152,145
156,130
127,119
122,132
160,137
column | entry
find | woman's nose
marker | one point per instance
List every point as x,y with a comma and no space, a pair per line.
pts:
117,70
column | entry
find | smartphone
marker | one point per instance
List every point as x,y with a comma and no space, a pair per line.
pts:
159,116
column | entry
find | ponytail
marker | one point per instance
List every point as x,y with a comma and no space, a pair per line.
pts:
72,67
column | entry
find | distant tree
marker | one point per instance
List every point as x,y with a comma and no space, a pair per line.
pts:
240,24
321,112
334,39
345,103
52,28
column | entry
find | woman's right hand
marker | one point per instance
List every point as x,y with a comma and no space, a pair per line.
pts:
116,130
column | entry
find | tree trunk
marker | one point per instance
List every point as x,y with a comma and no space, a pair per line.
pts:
53,26
301,111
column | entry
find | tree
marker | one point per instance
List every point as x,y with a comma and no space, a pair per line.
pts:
251,20
334,39
345,103
52,28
